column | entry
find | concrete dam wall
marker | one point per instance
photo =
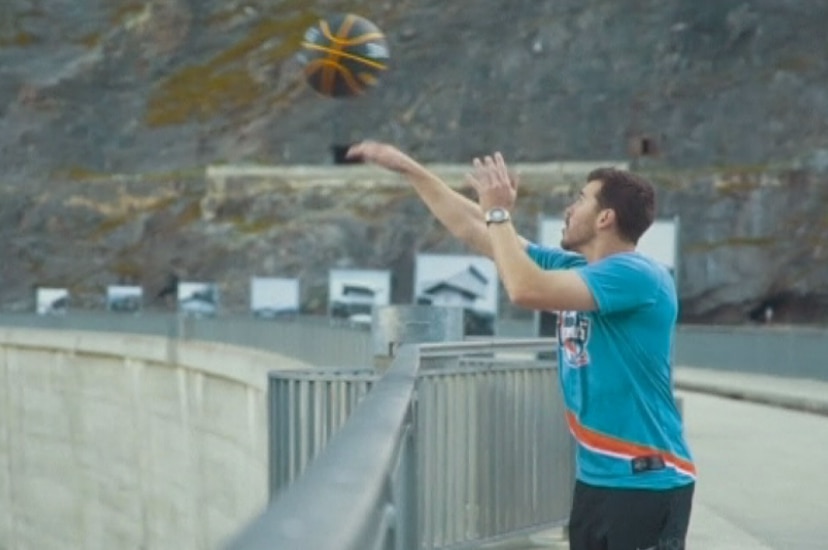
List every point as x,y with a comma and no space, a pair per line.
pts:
125,441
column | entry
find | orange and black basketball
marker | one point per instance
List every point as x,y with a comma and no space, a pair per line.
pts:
344,55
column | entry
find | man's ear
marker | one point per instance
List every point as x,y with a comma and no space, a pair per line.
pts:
606,217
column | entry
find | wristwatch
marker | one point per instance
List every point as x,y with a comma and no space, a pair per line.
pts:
497,215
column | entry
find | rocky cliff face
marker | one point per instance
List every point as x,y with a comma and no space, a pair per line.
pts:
751,241
747,240
101,87
159,89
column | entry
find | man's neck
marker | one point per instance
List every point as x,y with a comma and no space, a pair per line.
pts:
601,248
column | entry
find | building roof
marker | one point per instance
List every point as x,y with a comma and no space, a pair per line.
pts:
469,281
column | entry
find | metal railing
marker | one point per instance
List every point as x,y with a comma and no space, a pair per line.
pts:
356,494
456,445
306,409
494,455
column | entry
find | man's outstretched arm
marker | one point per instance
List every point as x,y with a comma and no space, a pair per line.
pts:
461,216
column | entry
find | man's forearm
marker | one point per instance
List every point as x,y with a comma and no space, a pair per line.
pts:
529,286
460,215
513,264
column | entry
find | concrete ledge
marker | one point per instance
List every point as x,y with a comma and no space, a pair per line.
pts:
790,393
340,174
220,360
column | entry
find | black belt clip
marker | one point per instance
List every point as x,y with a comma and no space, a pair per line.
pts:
648,463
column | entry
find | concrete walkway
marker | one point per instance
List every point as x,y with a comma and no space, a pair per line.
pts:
762,481
759,444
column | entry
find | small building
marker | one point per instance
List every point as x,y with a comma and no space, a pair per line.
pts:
464,288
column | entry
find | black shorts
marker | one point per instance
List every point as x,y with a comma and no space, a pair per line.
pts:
605,518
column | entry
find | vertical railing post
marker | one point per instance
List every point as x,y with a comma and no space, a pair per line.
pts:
392,326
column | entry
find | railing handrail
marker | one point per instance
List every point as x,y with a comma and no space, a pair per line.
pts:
346,476
451,349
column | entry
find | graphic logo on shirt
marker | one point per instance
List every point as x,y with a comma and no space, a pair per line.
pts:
573,335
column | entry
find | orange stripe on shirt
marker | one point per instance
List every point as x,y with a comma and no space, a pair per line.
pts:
610,445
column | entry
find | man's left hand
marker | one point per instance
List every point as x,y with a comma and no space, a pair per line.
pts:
495,186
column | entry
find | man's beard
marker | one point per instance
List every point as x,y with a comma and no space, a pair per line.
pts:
566,244
571,245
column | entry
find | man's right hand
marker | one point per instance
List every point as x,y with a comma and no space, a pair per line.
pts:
459,214
384,155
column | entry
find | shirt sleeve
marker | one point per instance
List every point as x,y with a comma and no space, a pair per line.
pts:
554,258
621,282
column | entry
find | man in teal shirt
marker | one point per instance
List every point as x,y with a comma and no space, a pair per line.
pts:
616,317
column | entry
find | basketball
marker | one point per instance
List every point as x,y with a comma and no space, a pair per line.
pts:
343,55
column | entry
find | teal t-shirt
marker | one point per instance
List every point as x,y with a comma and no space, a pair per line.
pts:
615,372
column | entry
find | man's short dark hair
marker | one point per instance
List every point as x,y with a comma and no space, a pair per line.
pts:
630,196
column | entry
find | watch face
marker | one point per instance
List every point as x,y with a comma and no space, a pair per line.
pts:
497,215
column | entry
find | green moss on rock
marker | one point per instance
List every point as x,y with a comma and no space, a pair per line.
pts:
225,82
20,39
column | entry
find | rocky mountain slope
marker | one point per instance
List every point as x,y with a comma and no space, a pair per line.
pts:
109,112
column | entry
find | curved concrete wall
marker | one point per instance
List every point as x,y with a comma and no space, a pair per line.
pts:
126,441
